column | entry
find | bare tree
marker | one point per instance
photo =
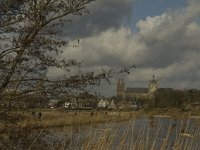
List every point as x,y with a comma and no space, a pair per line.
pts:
29,33
30,43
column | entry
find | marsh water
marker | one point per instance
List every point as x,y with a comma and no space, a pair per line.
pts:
137,133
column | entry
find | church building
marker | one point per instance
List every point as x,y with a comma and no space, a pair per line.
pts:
137,92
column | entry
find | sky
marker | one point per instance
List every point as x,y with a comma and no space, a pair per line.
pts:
159,37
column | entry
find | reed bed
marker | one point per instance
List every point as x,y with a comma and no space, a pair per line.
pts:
153,134
133,133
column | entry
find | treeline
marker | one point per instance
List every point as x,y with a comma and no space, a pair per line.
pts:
174,98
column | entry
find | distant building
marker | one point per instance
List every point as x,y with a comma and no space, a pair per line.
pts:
124,105
79,104
112,105
67,105
103,103
53,102
137,92
106,104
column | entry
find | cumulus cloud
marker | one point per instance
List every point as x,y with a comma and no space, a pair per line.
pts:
113,47
166,45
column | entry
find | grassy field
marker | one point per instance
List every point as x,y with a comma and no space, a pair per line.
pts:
59,118
172,112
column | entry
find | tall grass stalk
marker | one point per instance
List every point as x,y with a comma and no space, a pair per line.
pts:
152,134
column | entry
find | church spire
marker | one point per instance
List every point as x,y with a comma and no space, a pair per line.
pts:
153,85
120,87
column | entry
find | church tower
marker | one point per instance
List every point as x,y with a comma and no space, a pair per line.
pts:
120,88
153,85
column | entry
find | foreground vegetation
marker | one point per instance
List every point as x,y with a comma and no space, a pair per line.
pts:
139,130
153,134
135,133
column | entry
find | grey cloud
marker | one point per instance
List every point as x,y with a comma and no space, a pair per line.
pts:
181,74
103,15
